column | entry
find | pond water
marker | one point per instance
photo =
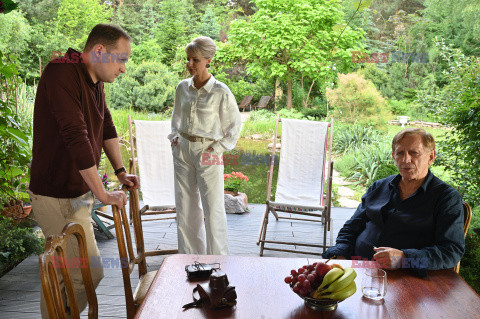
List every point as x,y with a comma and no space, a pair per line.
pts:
250,157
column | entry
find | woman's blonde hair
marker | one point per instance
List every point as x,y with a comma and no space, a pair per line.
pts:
201,46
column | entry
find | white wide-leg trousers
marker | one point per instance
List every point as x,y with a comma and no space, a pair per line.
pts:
197,186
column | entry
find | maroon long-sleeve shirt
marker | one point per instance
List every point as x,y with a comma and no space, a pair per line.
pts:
70,122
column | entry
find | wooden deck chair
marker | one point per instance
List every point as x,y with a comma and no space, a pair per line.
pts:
467,217
246,102
301,188
102,222
262,103
129,259
51,261
151,149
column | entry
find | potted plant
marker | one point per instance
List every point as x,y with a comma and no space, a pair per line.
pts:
234,183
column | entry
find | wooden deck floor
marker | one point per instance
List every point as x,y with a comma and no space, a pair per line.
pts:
20,288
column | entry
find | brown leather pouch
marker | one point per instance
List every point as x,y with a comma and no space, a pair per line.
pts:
215,294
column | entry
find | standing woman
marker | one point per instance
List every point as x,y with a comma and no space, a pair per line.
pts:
205,123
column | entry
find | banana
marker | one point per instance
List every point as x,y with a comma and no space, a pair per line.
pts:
342,294
330,277
348,276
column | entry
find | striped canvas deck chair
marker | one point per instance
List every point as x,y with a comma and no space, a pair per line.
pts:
304,184
151,151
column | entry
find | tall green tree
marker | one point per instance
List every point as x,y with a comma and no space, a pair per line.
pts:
456,21
76,18
174,27
460,109
208,25
39,11
286,38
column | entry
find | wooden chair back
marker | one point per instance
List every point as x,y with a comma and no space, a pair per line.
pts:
467,217
129,259
55,258
263,102
246,102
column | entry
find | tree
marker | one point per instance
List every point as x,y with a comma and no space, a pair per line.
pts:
208,25
174,27
456,21
460,101
76,18
148,86
285,38
16,32
39,11
356,99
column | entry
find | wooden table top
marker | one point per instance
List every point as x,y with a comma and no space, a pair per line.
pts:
262,292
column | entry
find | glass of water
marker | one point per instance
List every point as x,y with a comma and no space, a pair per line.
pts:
374,283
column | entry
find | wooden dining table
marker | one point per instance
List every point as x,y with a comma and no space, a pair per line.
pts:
262,292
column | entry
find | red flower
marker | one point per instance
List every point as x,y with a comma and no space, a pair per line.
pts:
2,8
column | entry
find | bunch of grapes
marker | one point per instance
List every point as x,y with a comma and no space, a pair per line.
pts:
306,280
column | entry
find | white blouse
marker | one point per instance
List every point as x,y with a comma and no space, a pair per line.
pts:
209,112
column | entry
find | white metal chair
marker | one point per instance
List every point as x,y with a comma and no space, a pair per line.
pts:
301,188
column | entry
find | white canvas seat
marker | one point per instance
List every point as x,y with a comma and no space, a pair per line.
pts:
151,149
303,185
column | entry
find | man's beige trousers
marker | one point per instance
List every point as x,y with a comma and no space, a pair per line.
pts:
52,215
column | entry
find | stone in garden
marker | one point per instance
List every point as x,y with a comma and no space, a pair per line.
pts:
257,136
235,204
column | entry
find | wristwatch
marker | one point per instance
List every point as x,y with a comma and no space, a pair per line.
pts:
120,170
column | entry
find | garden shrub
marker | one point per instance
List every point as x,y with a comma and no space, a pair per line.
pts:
148,86
384,170
18,242
351,137
470,263
399,107
461,111
317,113
242,86
368,160
357,99
379,78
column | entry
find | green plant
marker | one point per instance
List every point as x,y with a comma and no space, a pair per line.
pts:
470,264
385,170
351,137
18,242
368,160
317,113
461,110
235,181
15,151
356,99
148,86
399,107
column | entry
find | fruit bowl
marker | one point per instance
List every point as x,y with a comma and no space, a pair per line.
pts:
320,304
322,286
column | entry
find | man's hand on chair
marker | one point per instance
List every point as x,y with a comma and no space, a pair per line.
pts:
117,198
131,181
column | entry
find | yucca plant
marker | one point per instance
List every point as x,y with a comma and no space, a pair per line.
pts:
349,138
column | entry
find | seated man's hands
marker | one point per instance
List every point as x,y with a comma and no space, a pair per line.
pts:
388,258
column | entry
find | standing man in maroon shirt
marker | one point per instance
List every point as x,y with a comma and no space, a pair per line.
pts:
71,125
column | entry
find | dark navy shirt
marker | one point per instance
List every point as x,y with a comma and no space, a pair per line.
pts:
427,226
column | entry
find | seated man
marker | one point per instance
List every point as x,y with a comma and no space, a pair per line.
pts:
410,220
